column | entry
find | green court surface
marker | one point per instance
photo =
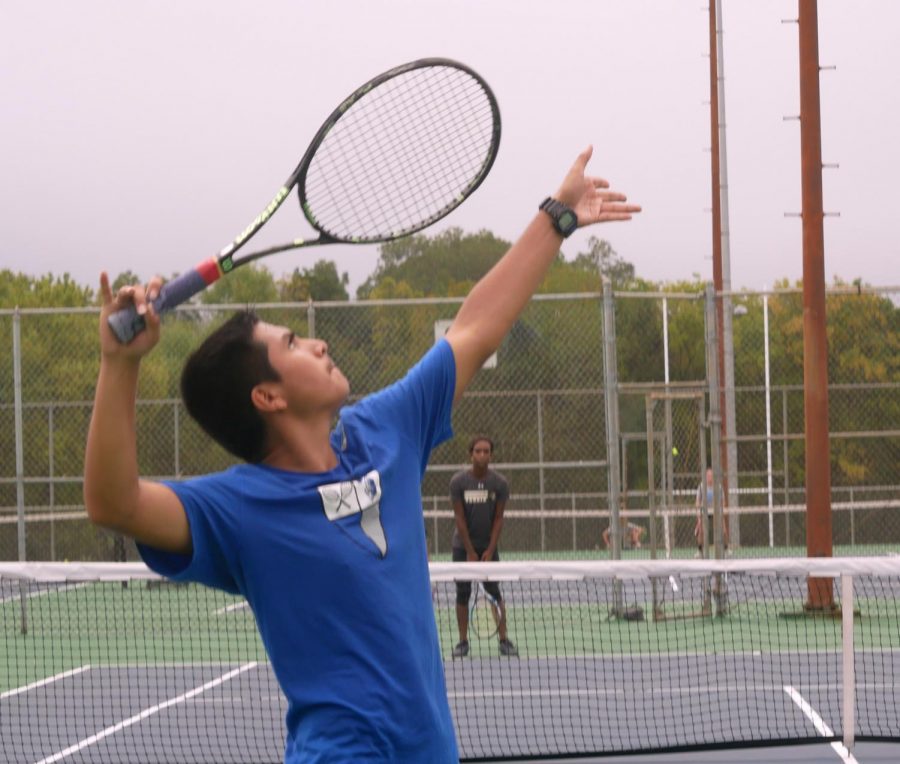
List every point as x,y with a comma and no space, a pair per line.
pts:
148,623
145,623
587,630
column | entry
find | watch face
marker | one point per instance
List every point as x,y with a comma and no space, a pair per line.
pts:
568,221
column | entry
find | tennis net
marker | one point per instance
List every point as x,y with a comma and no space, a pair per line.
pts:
104,662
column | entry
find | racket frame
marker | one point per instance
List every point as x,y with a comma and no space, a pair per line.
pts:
127,323
493,607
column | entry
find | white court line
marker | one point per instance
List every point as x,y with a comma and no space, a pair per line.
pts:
602,692
42,682
41,593
231,608
819,723
144,714
692,691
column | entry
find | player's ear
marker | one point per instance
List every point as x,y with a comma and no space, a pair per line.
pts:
267,397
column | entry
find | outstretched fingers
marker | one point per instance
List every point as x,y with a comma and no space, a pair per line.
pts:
616,210
583,158
602,205
106,295
590,197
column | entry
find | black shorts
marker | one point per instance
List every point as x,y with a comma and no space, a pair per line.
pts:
464,588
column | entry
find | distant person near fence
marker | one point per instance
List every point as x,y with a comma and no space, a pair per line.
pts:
479,495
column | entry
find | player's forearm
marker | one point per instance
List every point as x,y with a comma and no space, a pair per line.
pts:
496,301
110,466
466,542
496,529
462,530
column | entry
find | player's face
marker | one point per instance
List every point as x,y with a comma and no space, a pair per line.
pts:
310,381
481,454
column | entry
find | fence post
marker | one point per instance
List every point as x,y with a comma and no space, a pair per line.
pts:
540,433
785,465
311,319
51,468
768,418
611,396
20,458
20,461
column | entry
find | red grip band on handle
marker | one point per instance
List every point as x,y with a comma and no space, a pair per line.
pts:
209,270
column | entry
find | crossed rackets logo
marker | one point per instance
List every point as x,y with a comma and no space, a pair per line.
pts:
362,496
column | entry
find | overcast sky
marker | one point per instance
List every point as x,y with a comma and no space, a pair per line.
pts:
145,135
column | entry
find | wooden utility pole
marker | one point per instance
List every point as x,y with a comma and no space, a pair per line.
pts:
815,345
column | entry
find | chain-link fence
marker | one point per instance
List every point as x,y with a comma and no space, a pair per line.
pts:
544,403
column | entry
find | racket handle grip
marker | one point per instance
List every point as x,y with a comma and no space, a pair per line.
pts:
126,324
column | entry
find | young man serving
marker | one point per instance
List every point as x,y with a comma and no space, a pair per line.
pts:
320,528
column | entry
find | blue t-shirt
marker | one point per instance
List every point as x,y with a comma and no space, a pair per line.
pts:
335,568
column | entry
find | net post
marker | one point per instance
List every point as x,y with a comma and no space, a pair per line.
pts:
848,668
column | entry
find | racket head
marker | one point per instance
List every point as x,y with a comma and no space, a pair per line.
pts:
400,153
484,614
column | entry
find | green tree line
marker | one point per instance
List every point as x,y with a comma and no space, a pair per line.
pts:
554,352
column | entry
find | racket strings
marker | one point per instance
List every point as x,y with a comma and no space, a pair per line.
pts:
411,192
462,161
407,183
402,155
485,614
428,99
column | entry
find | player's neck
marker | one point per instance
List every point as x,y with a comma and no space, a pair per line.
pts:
479,472
302,446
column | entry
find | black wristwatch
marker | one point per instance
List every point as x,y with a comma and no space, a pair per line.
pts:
564,218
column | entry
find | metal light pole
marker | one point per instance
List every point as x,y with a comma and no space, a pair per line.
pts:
722,262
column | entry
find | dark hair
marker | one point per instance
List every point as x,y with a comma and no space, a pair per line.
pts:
478,439
217,381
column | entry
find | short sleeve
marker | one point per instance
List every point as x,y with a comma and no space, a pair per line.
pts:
456,488
502,489
212,514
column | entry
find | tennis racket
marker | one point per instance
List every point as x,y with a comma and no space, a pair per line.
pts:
485,613
400,153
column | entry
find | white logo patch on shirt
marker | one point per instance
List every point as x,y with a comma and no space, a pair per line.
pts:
357,496
476,496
